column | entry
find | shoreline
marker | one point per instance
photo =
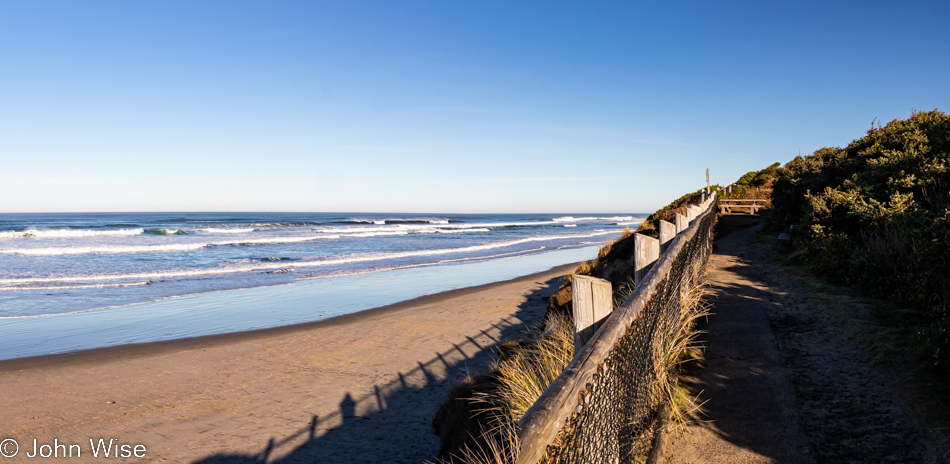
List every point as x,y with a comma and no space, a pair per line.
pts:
204,341
363,384
250,309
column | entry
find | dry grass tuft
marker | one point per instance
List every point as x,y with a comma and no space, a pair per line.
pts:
678,347
501,448
524,376
584,268
523,373
496,446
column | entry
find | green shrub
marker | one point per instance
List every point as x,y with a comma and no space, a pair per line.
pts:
755,184
876,215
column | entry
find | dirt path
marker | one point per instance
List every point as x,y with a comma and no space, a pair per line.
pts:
781,382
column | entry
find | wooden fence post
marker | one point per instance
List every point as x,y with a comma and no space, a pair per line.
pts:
646,250
593,301
667,233
682,222
693,212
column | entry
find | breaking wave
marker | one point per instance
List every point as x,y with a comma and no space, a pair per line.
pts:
357,258
165,232
173,247
76,287
68,233
217,230
587,219
380,222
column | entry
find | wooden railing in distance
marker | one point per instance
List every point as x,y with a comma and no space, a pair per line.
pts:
750,205
541,423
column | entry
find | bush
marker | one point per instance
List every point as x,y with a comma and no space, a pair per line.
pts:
755,184
875,215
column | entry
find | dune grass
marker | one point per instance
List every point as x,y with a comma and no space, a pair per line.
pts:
680,345
524,376
523,371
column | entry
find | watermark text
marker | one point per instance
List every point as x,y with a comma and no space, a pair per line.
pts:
96,448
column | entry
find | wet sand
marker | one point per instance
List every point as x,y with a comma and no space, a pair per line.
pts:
356,388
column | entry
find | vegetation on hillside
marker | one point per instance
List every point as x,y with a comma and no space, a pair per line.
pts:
755,184
876,215
650,225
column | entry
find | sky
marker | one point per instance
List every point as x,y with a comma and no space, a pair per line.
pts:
439,106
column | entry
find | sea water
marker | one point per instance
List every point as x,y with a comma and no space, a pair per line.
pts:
78,281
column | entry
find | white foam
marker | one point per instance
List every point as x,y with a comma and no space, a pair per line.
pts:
359,258
499,255
570,225
439,230
217,230
379,233
69,233
353,230
173,247
75,287
56,251
397,221
589,219
276,224
457,231
423,228
423,219
441,261
275,240
361,221
164,231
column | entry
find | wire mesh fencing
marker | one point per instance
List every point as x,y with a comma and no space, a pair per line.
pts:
604,407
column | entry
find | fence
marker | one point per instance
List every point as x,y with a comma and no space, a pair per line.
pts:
604,407
750,205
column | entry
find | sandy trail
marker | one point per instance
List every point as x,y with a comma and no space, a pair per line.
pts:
782,383
358,388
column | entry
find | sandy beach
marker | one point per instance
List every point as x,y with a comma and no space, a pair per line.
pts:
356,388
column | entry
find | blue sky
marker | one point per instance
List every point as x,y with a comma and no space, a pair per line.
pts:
439,106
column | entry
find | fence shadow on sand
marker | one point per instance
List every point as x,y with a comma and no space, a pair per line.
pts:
393,423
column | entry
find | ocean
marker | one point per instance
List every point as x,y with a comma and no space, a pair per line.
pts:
88,275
